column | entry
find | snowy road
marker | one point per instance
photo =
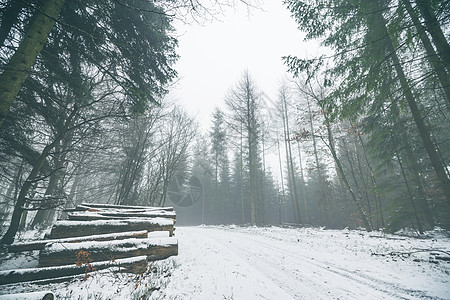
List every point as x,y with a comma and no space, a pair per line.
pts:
278,263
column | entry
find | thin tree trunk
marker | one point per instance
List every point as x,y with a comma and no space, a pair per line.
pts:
374,185
340,169
366,193
263,176
410,194
17,69
322,196
352,170
251,175
8,238
305,200
342,194
281,174
242,178
423,204
203,206
291,178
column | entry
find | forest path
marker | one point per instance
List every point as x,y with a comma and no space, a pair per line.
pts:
275,263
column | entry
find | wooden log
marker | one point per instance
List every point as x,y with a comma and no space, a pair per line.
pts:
38,245
105,215
135,265
66,229
66,253
44,295
112,206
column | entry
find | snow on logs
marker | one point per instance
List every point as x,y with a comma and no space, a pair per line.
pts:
65,253
68,228
86,206
110,236
136,265
105,215
40,244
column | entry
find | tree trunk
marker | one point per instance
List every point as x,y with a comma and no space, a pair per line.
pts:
432,57
291,178
12,11
322,195
242,176
17,69
361,173
282,179
410,194
377,19
289,160
42,215
340,170
435,31
423,206
302,178
8,238
353,172
374,185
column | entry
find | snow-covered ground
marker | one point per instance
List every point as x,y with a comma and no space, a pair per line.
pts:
231,262
306,263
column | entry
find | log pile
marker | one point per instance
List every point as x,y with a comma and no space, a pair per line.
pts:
97,237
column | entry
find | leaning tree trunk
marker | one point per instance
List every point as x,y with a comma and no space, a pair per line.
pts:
433,27
12,10
432,57
17,69
8,238
376,19
374,185
341,173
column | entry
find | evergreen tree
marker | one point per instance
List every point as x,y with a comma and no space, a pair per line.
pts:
371,67
244,103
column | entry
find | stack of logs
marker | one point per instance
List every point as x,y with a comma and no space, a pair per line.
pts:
97,237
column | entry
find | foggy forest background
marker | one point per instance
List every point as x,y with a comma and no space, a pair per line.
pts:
359,138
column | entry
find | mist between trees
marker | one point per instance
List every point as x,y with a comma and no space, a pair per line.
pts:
362,137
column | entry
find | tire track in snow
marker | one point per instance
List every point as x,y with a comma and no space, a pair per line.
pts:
377,284
209,270
314,279
273,270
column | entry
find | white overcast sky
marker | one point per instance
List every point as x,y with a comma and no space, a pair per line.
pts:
214,56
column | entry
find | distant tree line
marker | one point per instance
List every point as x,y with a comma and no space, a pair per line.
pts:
362,135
